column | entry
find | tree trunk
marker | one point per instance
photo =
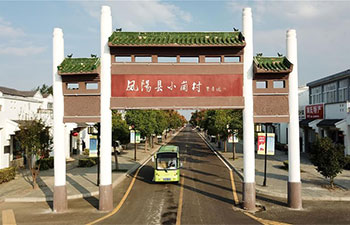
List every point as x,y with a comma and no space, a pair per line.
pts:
116,159
225,146
146,143
332,182
34,171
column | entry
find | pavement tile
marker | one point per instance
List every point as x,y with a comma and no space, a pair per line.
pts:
80,182
313,183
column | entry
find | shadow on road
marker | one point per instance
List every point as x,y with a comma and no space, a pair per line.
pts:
93,201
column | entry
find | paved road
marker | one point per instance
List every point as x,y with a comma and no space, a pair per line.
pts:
207,193
204,196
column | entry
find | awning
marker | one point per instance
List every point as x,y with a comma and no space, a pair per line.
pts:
305,122
328,122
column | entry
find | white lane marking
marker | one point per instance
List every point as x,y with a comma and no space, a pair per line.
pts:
211,148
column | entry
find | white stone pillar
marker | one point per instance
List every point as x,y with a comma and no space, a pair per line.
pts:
248,114
294,183
60,191
106,193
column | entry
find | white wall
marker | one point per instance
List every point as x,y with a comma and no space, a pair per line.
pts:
14,108
336,111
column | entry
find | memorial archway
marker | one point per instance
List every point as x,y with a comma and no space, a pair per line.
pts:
174,70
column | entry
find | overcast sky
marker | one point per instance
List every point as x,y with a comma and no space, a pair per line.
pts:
323,31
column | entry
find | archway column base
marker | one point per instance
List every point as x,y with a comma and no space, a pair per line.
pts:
249,196
60,203
294,195
106,198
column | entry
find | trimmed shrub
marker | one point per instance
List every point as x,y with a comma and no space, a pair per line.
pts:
347,163
87,162
86,151
7,174
281,147
46,163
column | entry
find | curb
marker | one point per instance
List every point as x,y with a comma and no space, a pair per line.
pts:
223,158
264,192
94,193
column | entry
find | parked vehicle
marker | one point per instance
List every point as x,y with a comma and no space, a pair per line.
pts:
117,147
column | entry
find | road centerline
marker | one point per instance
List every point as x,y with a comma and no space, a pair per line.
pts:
179,208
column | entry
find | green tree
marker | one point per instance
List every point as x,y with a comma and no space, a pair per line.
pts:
45,89
328,158
120,129
143,121
34,138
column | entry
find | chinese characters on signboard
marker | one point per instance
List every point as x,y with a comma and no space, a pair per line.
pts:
314,111
270,145
176,85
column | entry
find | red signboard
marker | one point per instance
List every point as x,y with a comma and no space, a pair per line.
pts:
314,111
176,85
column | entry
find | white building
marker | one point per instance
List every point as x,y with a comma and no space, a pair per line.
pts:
16,106
282,128
328,112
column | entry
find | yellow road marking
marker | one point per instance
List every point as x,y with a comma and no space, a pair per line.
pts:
120,203
8,217
263,221
235,197
179,209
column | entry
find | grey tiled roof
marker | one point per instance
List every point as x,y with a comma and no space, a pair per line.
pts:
14,92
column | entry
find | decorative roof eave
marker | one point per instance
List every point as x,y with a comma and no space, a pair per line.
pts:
272,65
110,44
177,39
95,72
79,66
265,71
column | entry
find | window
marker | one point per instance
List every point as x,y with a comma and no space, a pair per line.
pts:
167,59
184,59
143,59
316,95
278,84
211,59
343,90
91,86
72,86
261,84
123,59
231,59
166,161
329,92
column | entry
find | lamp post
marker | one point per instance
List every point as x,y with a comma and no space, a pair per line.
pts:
134,129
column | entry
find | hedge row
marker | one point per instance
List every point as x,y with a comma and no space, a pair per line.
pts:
87,162
7,174
46,163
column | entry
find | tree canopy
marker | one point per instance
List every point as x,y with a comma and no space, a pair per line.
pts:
328,157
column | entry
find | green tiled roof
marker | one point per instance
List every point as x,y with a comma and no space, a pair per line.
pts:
79,65
177,39
272,64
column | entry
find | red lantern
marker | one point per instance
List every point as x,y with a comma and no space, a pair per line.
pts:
75,134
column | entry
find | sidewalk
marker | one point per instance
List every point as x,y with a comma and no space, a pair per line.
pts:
313,183
81,182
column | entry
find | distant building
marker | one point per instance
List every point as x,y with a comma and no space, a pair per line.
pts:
328,111
282,128
16,106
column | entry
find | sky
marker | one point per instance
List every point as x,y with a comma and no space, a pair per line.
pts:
26,31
